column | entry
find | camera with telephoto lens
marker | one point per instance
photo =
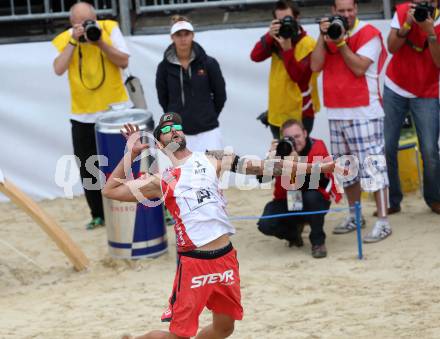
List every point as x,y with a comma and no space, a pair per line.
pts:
337,23
289,28
91,31
285,146
423,10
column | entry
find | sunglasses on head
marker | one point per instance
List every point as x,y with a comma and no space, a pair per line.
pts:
167,129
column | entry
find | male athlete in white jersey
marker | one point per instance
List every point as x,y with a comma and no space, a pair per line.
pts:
207,272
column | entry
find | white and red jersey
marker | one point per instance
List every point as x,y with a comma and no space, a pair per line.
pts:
192,195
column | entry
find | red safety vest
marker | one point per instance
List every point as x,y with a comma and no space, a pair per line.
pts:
342,88
412,67
318,149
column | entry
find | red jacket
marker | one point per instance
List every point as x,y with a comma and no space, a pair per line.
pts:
317,149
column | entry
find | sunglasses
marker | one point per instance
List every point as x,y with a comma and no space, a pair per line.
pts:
167,129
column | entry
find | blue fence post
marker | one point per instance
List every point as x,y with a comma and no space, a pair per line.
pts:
358,210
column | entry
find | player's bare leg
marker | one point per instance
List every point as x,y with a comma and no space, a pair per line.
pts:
222,327
155,335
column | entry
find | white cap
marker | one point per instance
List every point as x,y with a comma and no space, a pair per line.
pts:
181,25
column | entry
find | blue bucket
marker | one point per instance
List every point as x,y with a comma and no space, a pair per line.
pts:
133,230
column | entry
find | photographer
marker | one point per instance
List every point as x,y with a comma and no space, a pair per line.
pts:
351,55
412,84
293,90
93,52
295,142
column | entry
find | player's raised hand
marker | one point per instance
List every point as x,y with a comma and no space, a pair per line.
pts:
133,136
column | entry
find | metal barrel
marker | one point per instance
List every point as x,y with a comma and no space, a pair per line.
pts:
133,229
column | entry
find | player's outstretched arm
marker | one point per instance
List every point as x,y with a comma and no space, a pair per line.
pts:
276,167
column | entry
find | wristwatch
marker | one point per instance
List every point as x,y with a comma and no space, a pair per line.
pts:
432,38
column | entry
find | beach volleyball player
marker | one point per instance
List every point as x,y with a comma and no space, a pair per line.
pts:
207,274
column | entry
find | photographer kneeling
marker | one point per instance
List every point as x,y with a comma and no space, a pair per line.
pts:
308,197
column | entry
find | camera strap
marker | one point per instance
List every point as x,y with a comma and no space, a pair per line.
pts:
80,70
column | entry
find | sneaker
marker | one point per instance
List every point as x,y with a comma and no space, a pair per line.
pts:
319,251
348,225
298,242
95,223
379,232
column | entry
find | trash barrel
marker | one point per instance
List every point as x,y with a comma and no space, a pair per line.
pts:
133,230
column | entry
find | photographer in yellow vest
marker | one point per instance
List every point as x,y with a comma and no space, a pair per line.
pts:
293,92
93,52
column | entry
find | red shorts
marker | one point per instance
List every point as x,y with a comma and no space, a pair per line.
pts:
204,280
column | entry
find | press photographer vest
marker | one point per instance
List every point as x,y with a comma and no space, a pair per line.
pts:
412,67
329,191
100,82
341,87
285,98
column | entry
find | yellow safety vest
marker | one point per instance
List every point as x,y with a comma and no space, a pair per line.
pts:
87,95
285,100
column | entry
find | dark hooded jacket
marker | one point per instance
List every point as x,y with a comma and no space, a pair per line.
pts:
198,94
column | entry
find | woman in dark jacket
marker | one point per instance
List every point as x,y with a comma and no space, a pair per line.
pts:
190,82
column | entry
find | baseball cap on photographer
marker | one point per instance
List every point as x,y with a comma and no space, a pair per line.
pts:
180,26
167,117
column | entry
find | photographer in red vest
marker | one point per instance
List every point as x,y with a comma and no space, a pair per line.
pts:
351,55
314,193
412,84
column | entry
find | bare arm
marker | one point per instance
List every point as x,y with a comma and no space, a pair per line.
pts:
434,48
62,61
317,58
119,187
397,37
428,27
358,64
275,167
117,57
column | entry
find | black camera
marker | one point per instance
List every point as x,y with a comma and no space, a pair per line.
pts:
337,23
423,10
91,31
285,146
289,28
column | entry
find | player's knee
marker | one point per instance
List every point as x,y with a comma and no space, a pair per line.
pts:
225,329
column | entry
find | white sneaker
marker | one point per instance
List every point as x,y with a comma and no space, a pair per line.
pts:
379,232
348,225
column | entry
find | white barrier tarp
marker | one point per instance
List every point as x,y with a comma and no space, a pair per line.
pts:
34,102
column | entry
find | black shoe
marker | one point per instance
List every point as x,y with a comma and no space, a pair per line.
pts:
435,207
296,242
391,210
319,251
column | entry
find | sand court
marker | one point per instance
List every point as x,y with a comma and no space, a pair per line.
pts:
392,293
